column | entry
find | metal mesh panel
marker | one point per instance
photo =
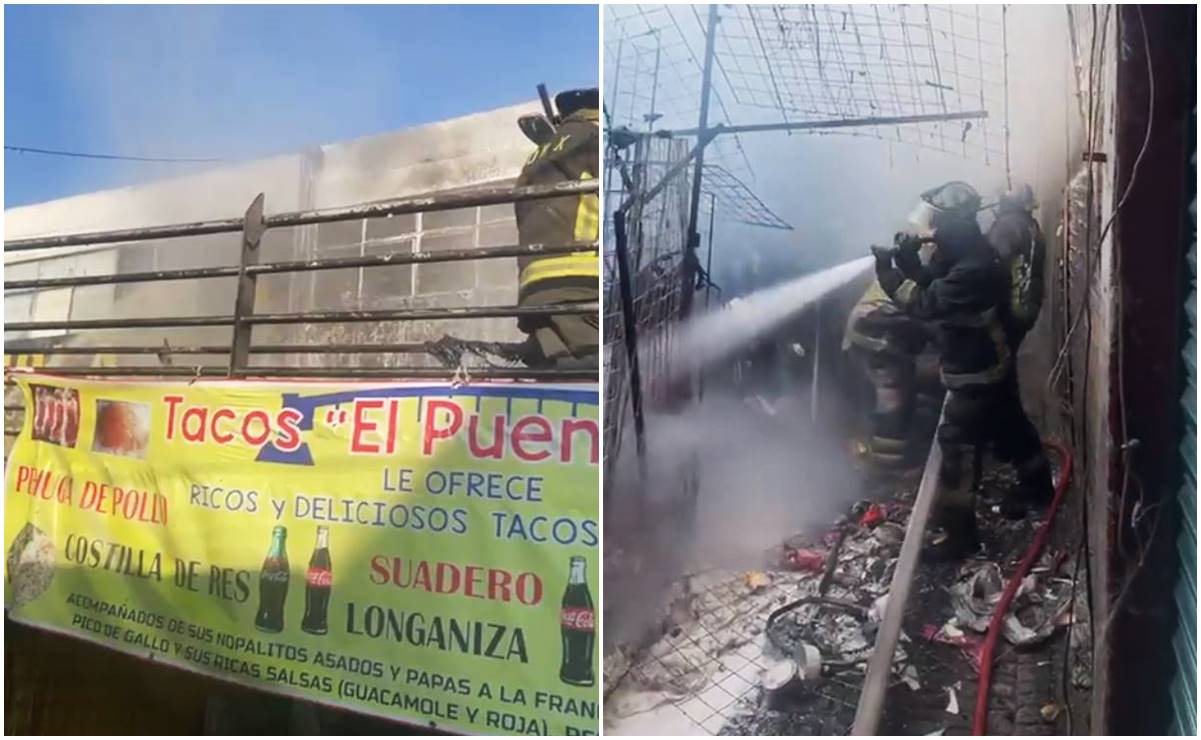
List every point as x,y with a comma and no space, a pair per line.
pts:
656,242
798,63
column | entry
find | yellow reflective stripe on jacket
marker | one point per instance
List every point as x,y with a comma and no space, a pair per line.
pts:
904,294
873,299
587,216
576,264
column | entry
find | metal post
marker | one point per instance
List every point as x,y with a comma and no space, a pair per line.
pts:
617,81
709,257
879,664
303,289
252,233
690,260
630,330
1005,83
651,115
700,390
817,358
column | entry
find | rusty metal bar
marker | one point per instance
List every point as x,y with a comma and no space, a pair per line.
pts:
392,373
482,196
625,281
416,258
424,314
132,350
692,240
485,196
252,234
262,349
300,349
135,323
335,263
132,277
315,317
829,124
145,233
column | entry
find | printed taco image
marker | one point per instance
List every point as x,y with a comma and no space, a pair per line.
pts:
30,565
122,428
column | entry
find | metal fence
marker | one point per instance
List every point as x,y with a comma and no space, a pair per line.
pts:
238,353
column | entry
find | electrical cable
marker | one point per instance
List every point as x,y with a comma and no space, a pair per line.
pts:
118,157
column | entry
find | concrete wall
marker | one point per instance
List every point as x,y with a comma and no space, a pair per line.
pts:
476,149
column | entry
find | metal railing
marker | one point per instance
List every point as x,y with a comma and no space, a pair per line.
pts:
252,226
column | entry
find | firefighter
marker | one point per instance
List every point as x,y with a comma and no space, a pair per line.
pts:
568,151
893,350
964,289
1018,240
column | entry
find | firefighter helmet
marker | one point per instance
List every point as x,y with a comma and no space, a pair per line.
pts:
571,101
1020,198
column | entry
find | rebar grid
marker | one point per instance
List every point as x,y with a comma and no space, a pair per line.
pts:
656,233
795,63
736,201
653,58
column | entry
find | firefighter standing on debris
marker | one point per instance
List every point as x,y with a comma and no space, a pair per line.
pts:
965,289
567,151
893,349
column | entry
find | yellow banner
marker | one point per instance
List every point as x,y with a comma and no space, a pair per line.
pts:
423,552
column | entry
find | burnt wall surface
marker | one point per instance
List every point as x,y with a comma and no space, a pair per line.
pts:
486,148
1151,238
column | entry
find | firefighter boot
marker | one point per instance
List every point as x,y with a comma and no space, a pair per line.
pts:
892,379
1034,489
532,353
956,535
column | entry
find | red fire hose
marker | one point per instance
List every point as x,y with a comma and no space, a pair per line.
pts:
980,721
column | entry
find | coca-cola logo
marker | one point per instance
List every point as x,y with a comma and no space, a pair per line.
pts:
578,618
320,577
275,576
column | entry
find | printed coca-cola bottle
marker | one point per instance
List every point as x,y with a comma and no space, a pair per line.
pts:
273,584
578,627
318,583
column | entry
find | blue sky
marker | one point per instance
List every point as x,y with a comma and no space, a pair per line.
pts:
239,82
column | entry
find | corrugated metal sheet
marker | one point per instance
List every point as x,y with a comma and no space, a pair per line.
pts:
1184,684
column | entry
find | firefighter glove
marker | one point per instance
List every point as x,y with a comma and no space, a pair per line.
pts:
884,257
908,260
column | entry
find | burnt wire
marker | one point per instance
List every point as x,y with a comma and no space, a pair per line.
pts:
1083,312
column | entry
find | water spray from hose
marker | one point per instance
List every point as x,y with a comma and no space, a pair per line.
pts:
711,337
